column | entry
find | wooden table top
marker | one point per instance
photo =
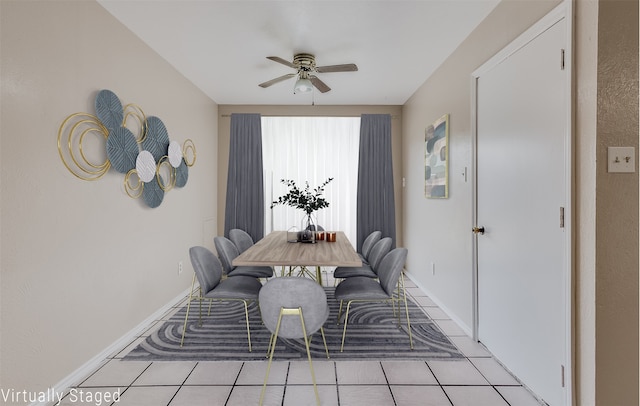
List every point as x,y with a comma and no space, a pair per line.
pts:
274,250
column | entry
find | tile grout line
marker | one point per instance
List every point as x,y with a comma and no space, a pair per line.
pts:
235,381
286,380
335,372
183,382
388,385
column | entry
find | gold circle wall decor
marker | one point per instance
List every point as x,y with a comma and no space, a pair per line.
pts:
134,111
128,139
77,126
165,174
189,152
134,190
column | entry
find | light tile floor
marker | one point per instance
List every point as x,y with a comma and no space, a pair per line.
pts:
477,380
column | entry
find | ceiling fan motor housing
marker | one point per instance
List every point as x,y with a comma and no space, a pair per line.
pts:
305,62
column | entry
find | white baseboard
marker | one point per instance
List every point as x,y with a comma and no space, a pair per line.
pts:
91,365
467,329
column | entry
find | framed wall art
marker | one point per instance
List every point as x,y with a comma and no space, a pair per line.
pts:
436,159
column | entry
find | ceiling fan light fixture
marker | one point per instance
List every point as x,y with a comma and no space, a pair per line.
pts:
305,66
303,85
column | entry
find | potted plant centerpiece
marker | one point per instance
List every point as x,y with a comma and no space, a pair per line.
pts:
307,200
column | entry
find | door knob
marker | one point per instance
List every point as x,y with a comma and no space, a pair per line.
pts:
478,230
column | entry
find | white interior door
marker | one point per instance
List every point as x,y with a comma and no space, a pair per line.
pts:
521,145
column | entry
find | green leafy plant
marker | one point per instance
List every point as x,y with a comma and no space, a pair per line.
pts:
306,199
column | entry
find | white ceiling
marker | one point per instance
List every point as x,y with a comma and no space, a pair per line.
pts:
221,46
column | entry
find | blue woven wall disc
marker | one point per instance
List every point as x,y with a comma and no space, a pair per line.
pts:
152,194
157,138
122,149
182,174
109,109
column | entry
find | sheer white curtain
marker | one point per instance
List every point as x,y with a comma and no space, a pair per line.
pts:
312,149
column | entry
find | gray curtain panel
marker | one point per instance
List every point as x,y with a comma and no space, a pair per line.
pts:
375,206
245,192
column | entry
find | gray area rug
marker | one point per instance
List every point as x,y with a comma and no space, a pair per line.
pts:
372,333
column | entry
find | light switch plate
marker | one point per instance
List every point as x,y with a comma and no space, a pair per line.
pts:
621,159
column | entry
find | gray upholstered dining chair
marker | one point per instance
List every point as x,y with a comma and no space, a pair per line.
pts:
368,243
293,308
370,270
241,239
208,271
363,289
227,251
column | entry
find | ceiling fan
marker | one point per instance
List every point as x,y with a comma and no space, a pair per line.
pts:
305,65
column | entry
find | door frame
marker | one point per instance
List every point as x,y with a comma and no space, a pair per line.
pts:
563,11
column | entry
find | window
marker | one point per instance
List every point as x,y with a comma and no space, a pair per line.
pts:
312,149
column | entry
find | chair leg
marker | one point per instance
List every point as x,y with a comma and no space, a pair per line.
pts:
346,320
272,342
246,316
186,316
393,306
325,342
396,297
406,309
200,307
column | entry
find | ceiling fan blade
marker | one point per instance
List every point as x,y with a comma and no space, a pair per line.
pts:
282,61
277,80
348,67
320,85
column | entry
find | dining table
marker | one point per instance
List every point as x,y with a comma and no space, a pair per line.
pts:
276,250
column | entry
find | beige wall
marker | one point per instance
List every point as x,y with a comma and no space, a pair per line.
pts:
606,256
617,206
224,129
82,263
438,230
